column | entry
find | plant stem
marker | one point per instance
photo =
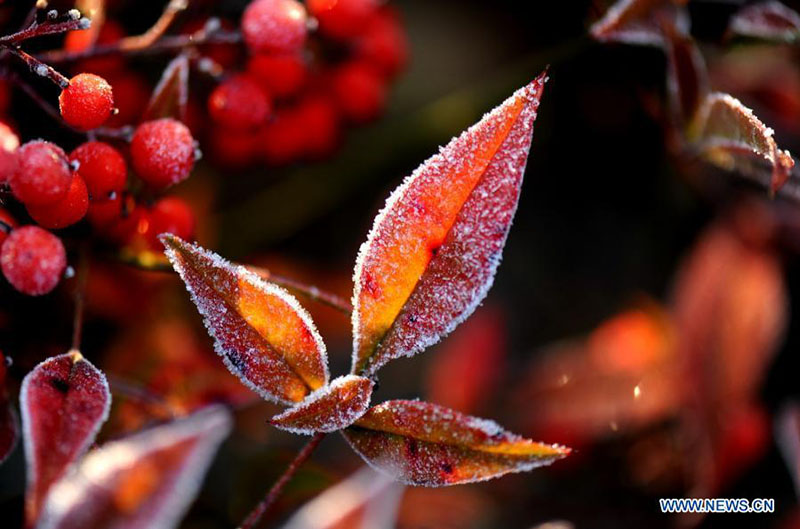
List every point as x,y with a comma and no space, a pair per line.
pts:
40,68
276,489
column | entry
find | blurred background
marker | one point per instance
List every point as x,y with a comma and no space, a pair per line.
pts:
641,312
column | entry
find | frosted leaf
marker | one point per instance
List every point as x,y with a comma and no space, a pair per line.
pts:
144,481
171,94
767,20
687,77
419,443
432,253
262,333
328,409
63,402
366,499
729,135
641,22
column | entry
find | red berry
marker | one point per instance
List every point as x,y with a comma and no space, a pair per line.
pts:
87,102
359,91
342,19
6,218
239,103
383,44
274,26
234,149
33,260
9,142
280,75
321,123
105,212
102,168
66,211
283,139
42,175
171,215
162,152
110,32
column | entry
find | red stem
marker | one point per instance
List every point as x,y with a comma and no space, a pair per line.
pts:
276,490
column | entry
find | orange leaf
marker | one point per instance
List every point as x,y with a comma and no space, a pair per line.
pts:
261,331
432,253
729,135
328,409
64,401
145,480
419,443
641,21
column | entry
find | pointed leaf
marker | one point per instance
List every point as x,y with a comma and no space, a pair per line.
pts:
641,22
687,77
63,401
145,481
171,94
729,135
424,444
768,20
432,253
328,409
261,331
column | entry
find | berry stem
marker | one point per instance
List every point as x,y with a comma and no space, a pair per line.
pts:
140,394
149,37
80,299
277,488
48,27
40,68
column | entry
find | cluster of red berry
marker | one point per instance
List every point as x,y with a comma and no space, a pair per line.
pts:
289,101
299,90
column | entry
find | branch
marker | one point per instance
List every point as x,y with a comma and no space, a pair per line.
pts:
51,26
276,490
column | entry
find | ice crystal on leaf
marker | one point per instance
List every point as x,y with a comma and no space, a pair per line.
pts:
64,401
432,253
419,443
767,20
328,409
145,481
641,22
262,333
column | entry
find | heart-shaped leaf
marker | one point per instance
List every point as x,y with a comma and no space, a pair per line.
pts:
766,20
328,409
432,253
63,401
261,331
171,94
145,481
641,22
729,135
419,443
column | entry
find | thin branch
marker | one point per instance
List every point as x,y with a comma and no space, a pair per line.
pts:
140,394
49,27
276,490
40,68
80,299
149,37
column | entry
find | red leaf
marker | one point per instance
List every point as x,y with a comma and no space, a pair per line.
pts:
465,371
146,480
641,21
431,256
419,443
328,409
767,20
64,401
9,431
171,94
261,331
687,77
729,135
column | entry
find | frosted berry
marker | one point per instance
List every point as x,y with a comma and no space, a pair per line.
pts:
8,223
234,149
383,44
283,139
9,143
239,103
33,260
281,75
321,124
172,215
42,175
103,213
162,152
67,211
342,19
360,92
274,26
102,168
87,102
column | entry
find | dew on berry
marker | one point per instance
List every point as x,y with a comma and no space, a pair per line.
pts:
87,102
42,175
32,260
163,152
274,26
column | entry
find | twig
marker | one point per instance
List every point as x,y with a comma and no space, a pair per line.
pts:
141,394
149,37
40,68
274,492
50,27
80,299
